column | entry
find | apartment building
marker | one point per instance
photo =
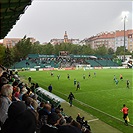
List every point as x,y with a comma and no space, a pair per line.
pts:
10,42
112,40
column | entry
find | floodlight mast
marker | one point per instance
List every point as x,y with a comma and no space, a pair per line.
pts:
124,17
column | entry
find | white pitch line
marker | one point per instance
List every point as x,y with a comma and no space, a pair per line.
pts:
93,120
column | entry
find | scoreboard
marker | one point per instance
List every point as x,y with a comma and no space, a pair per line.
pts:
63,53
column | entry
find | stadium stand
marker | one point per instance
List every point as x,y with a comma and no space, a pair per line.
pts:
53,61
93,63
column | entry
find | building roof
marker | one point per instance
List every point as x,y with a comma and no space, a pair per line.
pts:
10,12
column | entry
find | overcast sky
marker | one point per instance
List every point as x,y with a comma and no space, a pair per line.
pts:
48,19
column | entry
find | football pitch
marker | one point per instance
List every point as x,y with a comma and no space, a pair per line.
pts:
99,91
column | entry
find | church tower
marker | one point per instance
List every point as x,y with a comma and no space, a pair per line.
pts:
65,37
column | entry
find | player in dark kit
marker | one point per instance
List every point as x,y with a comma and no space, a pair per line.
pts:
68,76
78,86
58,76
52,74
128,83
89,75
83,76
74,82
50,88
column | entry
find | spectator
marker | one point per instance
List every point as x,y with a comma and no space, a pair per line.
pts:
3,81
36,85
29,79
86,125
76,124
78,118
5,101
68,129
20,119
51,126
43,113
17,93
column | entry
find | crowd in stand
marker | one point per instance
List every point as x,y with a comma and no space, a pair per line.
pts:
65,61
21,112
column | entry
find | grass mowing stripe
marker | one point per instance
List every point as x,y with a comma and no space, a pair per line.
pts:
82,103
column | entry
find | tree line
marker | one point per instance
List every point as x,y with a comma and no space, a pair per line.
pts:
8,56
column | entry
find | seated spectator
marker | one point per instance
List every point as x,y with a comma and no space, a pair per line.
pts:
52,123
22,92
40,106
76,124
43,113
78,118
20,119
17,93
3,81
34,102
86,125
36,85
68,129
5,101
69,119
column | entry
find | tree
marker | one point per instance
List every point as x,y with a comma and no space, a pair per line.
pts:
8,58
110,51
101,50
22,49
2,53
120,50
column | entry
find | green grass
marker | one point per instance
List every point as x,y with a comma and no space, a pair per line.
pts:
100,92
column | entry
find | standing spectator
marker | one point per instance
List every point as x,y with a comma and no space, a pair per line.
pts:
125,113
71,97
128,83
5,101
29,79
50,88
